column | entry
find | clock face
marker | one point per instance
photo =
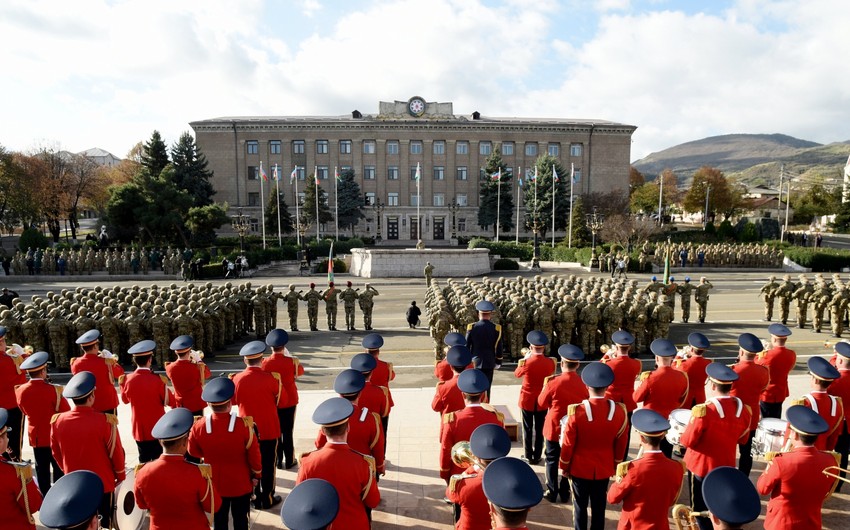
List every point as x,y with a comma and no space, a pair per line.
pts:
416,106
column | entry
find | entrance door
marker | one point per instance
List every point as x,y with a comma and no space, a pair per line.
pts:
392,227
414,228
439,227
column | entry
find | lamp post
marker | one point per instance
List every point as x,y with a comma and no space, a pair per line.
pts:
453,207
378,207
594,224
302,230
242,225
535,259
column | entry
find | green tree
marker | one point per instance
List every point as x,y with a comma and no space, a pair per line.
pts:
308,209
496,195
644,199
203,221
816,200
190,170
162,219
154,155
636,179
539,206
287,225
581,235
350,202
121,207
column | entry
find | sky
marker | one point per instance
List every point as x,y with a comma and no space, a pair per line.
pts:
107,73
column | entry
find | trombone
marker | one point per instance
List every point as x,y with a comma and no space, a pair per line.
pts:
835,472
686,519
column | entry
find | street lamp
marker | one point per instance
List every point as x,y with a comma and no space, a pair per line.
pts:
594,224
242,225
379,210
453,207
302,230
535,259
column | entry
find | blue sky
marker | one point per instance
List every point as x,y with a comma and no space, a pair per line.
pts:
97,73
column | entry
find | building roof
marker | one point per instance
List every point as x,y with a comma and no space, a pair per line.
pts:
95,152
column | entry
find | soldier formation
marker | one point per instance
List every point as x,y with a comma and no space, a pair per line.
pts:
824,298
726,255
85,261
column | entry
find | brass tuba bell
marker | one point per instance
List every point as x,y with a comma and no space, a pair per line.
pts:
462,455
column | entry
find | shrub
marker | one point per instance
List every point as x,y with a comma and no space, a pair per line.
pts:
32,238
819,260
505,249
749,233
505,264
322,266
726,230
212,271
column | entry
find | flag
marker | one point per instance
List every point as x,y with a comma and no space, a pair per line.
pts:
496,176
573,173
331,263
275,173
534,175
519,181
418,174
555,174
336,174
293,175
263,173
316,175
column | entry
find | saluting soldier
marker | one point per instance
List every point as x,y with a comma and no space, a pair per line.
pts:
288,369
176,492
312,297
311,505
291,298
830,408
752,380
73,502
534,369
779,360
367,304
188,375
105,369
701,297
685,292
348,297
330,296
512,488
19,495
11,375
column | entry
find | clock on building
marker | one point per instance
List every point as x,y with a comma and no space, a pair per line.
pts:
416,106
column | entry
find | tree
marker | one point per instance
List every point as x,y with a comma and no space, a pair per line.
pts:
627,230
496,195
190,170
163,217
308,209
581,235
724,198
86,180
154,156
51,181
636,179
644,199
540,207
19,201
203,221
815,201
287,225
120,212
349,201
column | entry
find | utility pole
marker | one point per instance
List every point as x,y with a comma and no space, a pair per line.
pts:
660,196
705,217
779,202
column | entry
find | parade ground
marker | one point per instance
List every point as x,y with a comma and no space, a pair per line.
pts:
411,490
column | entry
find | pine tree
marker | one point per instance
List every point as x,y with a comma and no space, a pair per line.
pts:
154,155
287,225
490,194
190,170
542,207
308,209
350,207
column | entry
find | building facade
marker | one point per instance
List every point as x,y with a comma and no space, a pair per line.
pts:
384,150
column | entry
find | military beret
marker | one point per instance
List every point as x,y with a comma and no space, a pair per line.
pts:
173,424
144,347
72,500
805,420
458,356
597,375
750,343
253,349
363,362
36,361
649,422
511,484
333,411
490,441
454,339
372,341
311,504
277,338
79,386
473,381
312,285
348,284
662,348
730,496
2,331
672,279
778,330
183,342
570,352
653,278
88,337
687,279
349,382
485,306
537,338
622,337
843,349
720,373
218,390
699,341
820,368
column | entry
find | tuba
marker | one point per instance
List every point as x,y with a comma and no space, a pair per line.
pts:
606,351
686,519
462,455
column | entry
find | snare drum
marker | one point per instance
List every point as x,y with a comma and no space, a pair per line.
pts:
128,516
679,419
769,436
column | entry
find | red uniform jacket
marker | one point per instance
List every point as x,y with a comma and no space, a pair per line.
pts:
626,371
797,488
714,432
594,438
662,390
444,371
458,427
648,487
466,490
87,439
10,377
365,435
13,514
780,361
752,380
448,397
227,443
106,373
188,380
375,398
289,369
381,376
831,409
147,395
257,395
177,493
39,401
559,392
534,370
841,388
694,366
353,477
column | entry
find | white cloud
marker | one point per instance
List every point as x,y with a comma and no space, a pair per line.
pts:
310,7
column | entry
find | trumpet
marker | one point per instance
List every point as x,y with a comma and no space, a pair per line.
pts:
686,519
462,455
606,351
835,472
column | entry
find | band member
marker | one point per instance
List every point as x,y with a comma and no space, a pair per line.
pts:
594,436
713,433
512,488
484,340
19,495
648,486
311,505
105,369
148,395
227,443
442,369
694,364
534,368
731,498
372,397
188,374
381,375
780,361
841,388
663,389
448,397
351,473
752,380
795,480
83,438
626,370
72,502
830,408
176,492
288,369
11,375
559,392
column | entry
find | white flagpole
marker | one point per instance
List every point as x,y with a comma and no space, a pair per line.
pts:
262,204
572,179
553,205
276,174
297,216
498,202
336,207
316,183
418,203
535,193
518,188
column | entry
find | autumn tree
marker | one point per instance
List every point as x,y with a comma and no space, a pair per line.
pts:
85,181
724,197
636,179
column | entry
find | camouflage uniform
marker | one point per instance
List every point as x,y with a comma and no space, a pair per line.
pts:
662,315
367,304
589,324
769,291
701,297
110,332
313,298
802,296
349,298
33,328
543,319
57,332
260,320
291,298
440,325
161,332
516,318
685,292
330,296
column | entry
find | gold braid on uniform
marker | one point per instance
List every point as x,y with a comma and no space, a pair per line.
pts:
371,461
622,470
112,419
206,473
24,473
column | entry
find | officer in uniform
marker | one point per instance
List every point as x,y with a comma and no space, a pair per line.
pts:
312,297
693,364
288,369
731,498
626,370
148,394
780,361
73,502
841,388
484,340
701,297
830,408
330,296
351,473
187,374
648,486
291,298
84,438
11,376
39,401
769,291
311,505
382,374
795,480
685,292
366,303
348,297
227,443
534,369
257,395
177,493
513,489
105,369
19,495
752,380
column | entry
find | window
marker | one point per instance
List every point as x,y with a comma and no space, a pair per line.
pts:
461,172
345,147
508,148
369,147
413,173
392,199
274,147
254,223
461,199
530,149
554,149
414,199
368,172
322,172
485,148
298,147
575,149
439,147
439,199
370,198
301,172
321,147
392,173
416,148
462,148
577,175
461,224
392,147
439,173
276,170
252,146
253,199
253,172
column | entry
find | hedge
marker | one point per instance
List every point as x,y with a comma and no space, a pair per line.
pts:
819,260
322,266
505,264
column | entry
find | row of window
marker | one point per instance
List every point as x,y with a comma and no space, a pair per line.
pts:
416,148
370,172
437,199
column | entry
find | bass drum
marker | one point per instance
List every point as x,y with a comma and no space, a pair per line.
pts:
128,516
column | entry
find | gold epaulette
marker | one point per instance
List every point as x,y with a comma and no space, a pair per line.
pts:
276,375
138,467
520,363
231,376
164,378
167,363
801,401
698,411
112,419
206,470
469,326
306,455
684,466
440,383
391,370
54,418
59,398
23,470
453,481
644,376
369,460
571,409
622,470
122,378
498,327
548,378
448,417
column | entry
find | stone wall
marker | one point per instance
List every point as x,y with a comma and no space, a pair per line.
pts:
410,263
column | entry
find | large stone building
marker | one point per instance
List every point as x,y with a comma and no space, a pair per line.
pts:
384,149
